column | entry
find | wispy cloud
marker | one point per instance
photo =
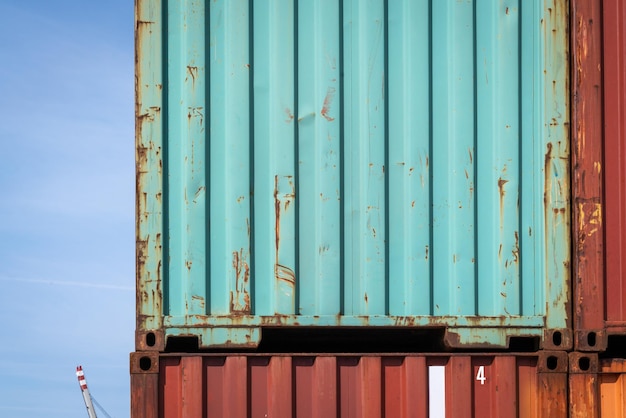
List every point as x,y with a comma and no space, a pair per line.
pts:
68,283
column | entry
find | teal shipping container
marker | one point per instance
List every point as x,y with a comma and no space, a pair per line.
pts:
355,164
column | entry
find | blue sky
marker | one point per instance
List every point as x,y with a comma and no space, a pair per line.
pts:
66,205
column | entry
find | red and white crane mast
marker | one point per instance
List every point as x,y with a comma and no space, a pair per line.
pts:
85,390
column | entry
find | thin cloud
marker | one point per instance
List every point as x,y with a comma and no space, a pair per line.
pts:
68,283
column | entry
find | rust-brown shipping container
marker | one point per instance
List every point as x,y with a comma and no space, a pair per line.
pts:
597,388
599,170
349,385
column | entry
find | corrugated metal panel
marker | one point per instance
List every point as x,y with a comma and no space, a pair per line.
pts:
597,387
352,163
309,386
583,386
613,388
599,171
615,165
587,187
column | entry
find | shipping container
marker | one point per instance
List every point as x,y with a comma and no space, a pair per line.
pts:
349,385
599,171
597,387
352,164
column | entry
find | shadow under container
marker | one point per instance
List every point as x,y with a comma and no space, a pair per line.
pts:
350,164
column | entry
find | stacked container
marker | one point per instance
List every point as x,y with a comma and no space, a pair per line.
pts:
597,366
353,208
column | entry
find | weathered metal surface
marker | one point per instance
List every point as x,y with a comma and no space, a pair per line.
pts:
352,163
599,89
614,24
144,385
613,388
353,385
583,386
597,387
586,23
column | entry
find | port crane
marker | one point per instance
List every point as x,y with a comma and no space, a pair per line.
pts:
89,400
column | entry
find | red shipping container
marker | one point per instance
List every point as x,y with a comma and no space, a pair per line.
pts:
348,385
599,170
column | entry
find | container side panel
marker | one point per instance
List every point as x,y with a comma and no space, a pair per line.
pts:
144,395
170,388
229,151
613,388
270,387
409,158
364,146
226,387
532,230
352,163
192,393
587,187
453,156
319,157
495,386
351,386
405,387
316,387
615,156
186,140
584,399
553,402
274,159
497,157
459,387
527,388
556,163
149,111
360,387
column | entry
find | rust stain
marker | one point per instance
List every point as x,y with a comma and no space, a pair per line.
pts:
471,157
199,299
195,112
277,213
240,298
426,256
547,183
515,250
282,273
330,94
188,264
589,221
193,72
290,116
502,192
501,183
366,300
285,274
598,166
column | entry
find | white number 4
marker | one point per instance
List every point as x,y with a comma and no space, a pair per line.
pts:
481,375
